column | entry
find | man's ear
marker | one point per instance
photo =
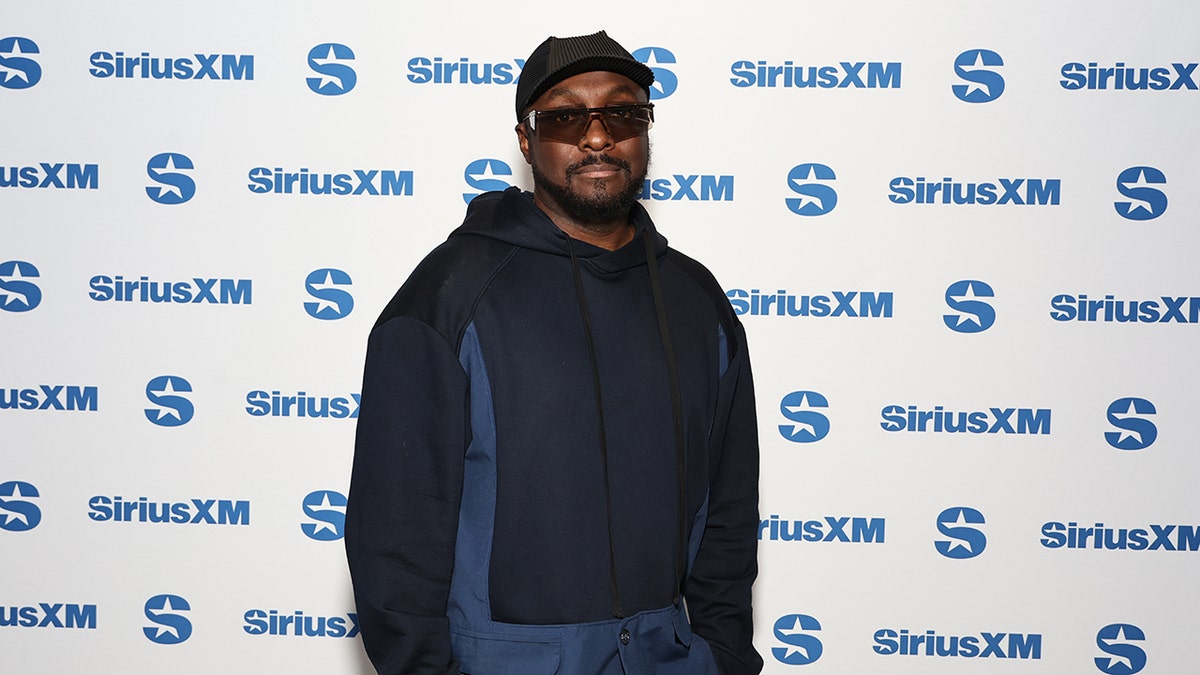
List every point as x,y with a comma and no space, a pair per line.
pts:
523,141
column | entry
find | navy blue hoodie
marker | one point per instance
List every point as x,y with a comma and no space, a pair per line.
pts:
553,470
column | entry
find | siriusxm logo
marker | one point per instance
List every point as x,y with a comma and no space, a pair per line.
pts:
50,397
972,315
171,409
866,304
170,626
802,648
1064,307
665,81
991,421
1121,77
808,425
482,176
328,508
976,66
273,404
17,70
193,512
362,182
328,60
1036,192
1152,538
965,541
47,615
816,198
1123,656
17,293
48,175
862,530
878,75
197,291
423,70
194,67
1136,432
1143,201
17,512
174,186
297,624
680,187
327,285
984,645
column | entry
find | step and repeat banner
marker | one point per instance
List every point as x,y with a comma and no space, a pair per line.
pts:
961,236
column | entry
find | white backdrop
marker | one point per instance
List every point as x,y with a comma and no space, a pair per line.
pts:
780,190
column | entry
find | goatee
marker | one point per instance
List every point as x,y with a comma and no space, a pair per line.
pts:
595,205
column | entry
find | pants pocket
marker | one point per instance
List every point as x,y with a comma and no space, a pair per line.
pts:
492,654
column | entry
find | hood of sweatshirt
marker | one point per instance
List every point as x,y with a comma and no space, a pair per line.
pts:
512,217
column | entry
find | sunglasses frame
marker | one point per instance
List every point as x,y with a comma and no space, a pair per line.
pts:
622,131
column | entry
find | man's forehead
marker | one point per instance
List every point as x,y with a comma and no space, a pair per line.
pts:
598,82
576,92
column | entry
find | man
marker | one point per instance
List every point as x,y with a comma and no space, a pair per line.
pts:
556,466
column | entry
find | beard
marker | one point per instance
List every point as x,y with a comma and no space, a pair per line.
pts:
592,203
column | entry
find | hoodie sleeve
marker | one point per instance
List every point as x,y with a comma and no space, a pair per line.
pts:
718,589
405,488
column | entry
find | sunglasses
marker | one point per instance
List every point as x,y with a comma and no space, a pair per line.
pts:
569,125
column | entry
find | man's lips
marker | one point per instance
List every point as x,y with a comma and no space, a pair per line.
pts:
598,167
597,171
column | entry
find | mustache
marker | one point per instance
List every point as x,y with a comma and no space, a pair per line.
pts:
598,159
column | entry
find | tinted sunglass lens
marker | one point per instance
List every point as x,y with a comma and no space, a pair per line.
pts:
568,126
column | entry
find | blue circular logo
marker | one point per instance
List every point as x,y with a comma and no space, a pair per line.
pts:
972,315
481,175
328,508
17,292
1143,200
174,186
328,286
336,77
1123,657
17,70
17,513
793,631
816,198
966,541
172,410
975,66
170,627
1128,415
808,425
665,81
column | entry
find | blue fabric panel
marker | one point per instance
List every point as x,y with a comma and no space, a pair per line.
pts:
658,642
469,606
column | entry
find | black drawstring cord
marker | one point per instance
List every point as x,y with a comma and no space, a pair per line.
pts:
614,586
664,333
